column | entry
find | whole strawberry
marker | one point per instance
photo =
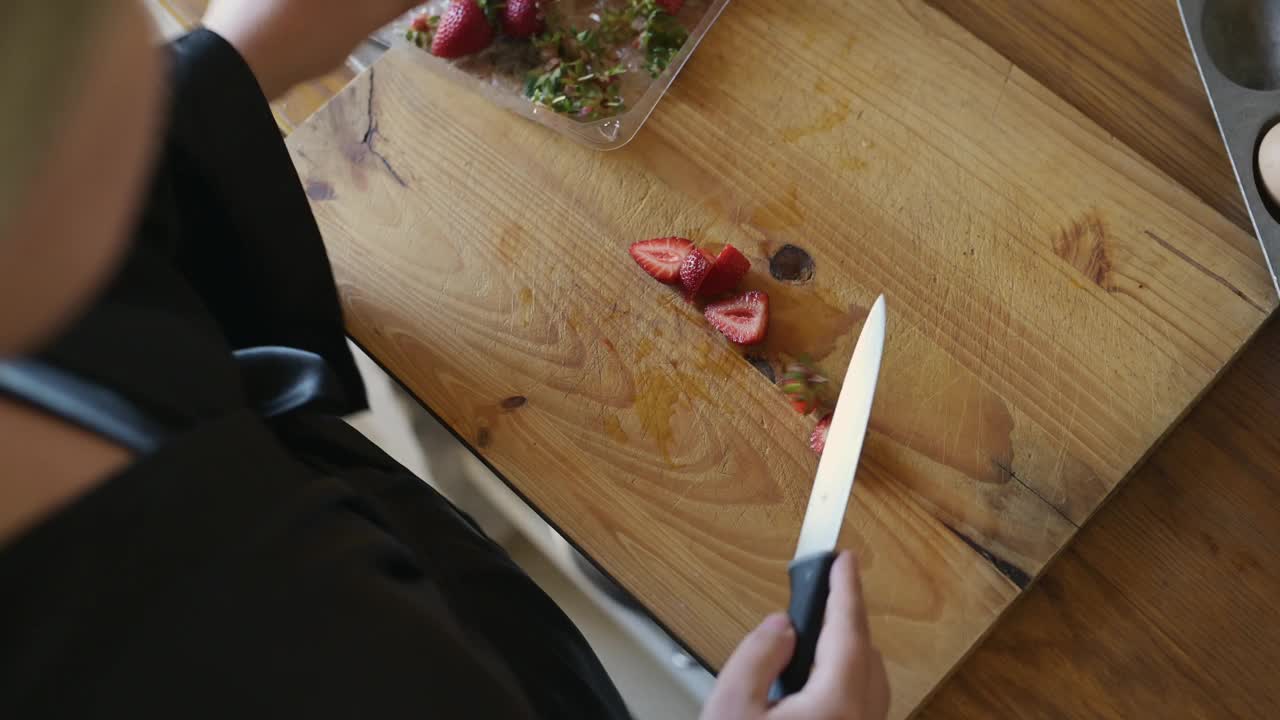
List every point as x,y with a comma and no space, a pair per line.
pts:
522,18
465,28
671,6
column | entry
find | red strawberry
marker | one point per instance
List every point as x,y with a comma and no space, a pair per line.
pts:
521,18
694,271
818,440
671,6
463,30
661,257
727,271
421,23
742,318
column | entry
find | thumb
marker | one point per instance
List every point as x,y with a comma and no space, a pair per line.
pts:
744,682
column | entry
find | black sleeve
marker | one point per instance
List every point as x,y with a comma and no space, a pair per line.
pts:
221,578
245,237
327,618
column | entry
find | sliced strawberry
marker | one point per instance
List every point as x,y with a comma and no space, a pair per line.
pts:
662,257
742,318
693,272
521,18
726,272
464,29
818,440
671,6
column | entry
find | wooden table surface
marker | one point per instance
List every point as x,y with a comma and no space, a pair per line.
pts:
1164,605
429,270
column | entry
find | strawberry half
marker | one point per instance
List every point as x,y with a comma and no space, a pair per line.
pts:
744,318
464,29
661,257
671,6
694,271
726,272
818,440
521,18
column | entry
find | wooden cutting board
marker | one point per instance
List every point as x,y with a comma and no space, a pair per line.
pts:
1055,304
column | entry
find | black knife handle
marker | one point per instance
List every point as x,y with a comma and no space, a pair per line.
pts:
810,582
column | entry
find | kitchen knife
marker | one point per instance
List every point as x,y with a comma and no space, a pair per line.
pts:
815,551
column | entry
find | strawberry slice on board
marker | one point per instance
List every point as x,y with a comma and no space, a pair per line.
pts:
744,318
662,257
726,272
818,440
694,271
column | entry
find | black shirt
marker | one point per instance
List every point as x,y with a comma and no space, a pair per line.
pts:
253,565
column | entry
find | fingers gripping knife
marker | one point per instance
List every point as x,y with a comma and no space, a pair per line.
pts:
815,551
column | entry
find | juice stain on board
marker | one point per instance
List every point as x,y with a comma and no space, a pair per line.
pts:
659,393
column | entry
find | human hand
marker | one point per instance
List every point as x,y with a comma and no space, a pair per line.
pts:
848,681
286,42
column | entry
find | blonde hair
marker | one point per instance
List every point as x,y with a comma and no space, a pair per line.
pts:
41,56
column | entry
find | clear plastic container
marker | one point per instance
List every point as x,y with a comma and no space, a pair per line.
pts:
499,72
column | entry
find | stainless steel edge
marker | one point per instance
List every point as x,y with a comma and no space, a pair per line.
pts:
1243,115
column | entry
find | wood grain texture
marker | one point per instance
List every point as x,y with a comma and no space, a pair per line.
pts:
1127,67
1055,304
1164,606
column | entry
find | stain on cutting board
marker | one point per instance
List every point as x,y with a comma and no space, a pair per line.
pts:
791,264
658,393
827,120
320,190
1083,243
962,424
780,213
613,428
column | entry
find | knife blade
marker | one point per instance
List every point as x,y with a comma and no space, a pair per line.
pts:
815,550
